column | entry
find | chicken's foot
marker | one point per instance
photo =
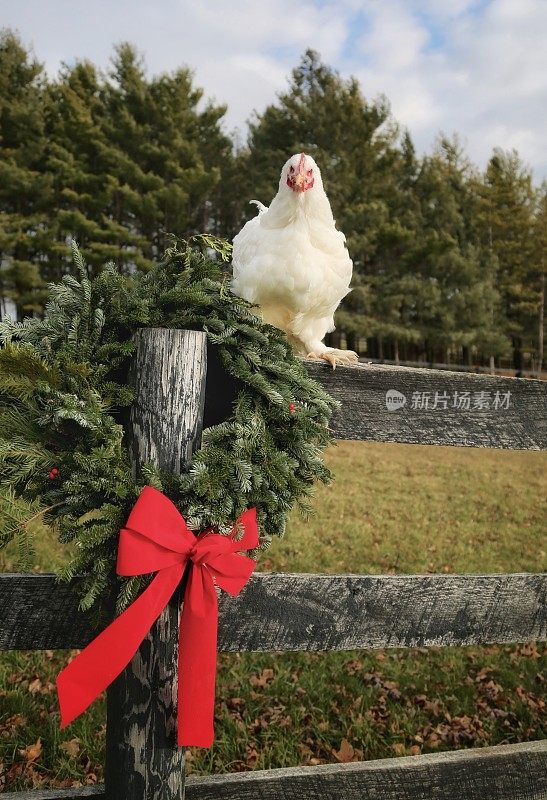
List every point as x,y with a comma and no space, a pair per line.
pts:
333,357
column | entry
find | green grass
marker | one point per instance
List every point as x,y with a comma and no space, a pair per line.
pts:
392,508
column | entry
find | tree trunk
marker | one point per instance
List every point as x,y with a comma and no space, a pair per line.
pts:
143,761
466,355
541,326
351,341
517,356
396,351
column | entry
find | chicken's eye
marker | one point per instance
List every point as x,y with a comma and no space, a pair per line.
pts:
309,173
291,169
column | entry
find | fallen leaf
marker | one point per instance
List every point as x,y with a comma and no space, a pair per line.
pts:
32,752
354,666
36,777
533,702
380,656
71,748
528,651
10,725
251,756
484,673
263,679
345,753
35,686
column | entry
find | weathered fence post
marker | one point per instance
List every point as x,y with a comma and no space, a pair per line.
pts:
143,761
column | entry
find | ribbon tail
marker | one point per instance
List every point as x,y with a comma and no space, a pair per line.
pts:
106,656
197,662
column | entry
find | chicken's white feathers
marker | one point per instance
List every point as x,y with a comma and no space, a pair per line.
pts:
261,207
292,261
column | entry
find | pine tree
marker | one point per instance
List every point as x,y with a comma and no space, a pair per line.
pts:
446,283
540,260
81,159
354,143
24,185
115,163
506,216
390,275
171,153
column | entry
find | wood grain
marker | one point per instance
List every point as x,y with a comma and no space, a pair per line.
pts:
313,612
362,391
143,761
507,772
39,613
168,373
97,792
342,612
514,772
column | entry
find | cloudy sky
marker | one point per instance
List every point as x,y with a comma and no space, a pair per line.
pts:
478,67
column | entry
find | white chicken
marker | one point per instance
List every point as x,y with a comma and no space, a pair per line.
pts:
292,262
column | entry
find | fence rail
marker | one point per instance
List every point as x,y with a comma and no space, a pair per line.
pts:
505,413
307,612
506,772
508,369
278,611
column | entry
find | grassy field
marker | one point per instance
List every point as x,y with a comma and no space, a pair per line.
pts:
391,509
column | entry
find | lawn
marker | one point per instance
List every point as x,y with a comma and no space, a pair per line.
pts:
392,508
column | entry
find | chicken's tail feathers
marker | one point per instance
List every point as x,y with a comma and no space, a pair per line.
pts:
261,207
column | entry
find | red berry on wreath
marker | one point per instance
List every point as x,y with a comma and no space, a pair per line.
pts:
53,473
292,408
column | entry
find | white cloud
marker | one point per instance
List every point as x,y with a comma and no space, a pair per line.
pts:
476,67
483,73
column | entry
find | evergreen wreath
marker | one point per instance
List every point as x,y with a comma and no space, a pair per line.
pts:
64,396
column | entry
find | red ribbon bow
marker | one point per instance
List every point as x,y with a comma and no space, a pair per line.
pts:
158,539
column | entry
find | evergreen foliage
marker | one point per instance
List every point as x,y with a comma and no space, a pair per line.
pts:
509,215
449,261
111,161
63,388
24,183
429,279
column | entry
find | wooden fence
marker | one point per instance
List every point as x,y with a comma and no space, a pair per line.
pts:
277,612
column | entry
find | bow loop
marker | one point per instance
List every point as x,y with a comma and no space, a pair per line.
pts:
166,526
138,555
231,571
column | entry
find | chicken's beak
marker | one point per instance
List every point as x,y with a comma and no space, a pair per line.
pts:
300,181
